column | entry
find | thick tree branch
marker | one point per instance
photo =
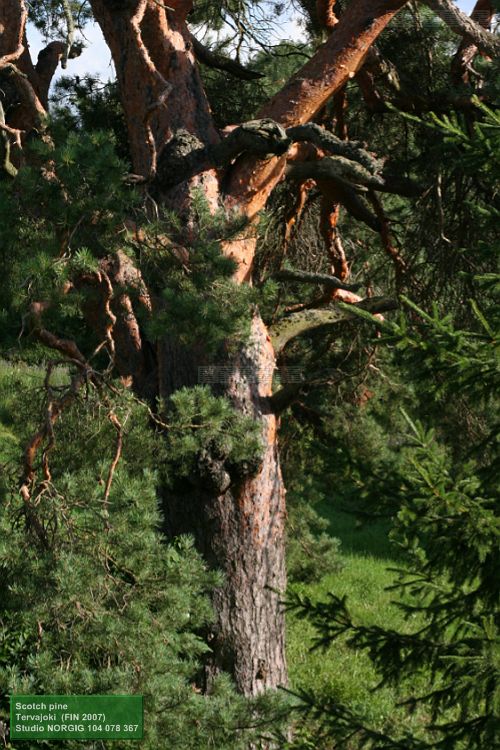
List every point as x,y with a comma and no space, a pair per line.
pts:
29,99
221,62
45,68
352,168
299,323
461,24
337,168
328,142
333,168
335,63
322,279
185,155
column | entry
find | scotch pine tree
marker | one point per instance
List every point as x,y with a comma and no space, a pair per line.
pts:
108,265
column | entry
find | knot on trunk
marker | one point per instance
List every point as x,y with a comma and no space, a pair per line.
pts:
181,157
218,473
213,473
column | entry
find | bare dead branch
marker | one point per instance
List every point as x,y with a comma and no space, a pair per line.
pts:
66,346
118,452
45,432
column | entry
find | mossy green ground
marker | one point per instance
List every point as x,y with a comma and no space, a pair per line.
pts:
368,562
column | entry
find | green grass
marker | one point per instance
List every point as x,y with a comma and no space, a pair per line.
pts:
340,672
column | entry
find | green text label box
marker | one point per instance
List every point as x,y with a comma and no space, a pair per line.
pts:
76,717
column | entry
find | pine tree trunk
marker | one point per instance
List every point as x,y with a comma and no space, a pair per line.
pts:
240,528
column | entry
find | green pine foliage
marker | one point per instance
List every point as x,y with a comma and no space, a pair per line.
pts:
101,602
57,219
203,428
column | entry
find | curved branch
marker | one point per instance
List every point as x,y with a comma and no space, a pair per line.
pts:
221,62
67,347
323,139
337,168
185,155
333,168
299,323
46,66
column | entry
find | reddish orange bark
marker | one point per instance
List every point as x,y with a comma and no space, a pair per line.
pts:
326,14
13,17
309,89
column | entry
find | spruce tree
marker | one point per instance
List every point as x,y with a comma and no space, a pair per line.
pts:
446,524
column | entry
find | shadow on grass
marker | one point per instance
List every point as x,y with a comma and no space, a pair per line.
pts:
366,538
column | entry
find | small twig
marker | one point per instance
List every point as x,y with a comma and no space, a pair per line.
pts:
118,452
